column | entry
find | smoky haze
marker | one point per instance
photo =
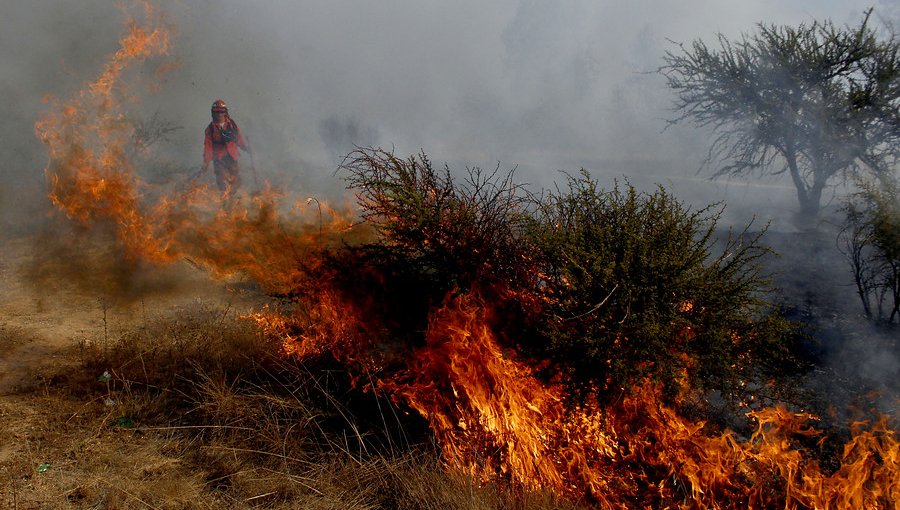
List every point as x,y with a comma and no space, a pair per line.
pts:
540,85
536,84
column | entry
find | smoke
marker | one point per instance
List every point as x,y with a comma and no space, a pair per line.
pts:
343,135
531,84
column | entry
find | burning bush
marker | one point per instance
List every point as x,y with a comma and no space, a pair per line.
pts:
438,236
612,286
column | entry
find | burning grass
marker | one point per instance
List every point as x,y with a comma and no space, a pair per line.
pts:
199,411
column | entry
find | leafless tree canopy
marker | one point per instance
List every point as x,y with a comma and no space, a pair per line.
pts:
817,101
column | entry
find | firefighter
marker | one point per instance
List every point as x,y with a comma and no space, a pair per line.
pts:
220,146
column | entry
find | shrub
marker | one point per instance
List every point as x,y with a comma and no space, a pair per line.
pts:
634,290
458,234
610,286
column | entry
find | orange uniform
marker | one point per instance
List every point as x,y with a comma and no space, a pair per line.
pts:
222,139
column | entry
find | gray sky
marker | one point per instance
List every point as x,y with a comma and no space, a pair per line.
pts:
545,85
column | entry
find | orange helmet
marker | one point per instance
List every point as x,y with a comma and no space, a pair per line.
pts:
219,106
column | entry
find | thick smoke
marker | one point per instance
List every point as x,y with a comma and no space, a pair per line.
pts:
540,85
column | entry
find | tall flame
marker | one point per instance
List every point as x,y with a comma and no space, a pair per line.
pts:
93,179
90,173
496,405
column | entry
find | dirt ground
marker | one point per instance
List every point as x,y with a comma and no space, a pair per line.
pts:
55,451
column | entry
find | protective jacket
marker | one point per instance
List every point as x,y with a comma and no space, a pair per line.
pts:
222,140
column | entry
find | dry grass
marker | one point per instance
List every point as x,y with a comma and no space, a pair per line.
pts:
199,411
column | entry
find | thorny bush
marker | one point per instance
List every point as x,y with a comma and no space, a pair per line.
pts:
635,290
610,286
458,233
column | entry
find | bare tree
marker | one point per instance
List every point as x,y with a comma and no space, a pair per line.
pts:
871,242
817,101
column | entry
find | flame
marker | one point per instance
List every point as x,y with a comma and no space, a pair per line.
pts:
327,323
496,406
93,180
90,173
494,418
